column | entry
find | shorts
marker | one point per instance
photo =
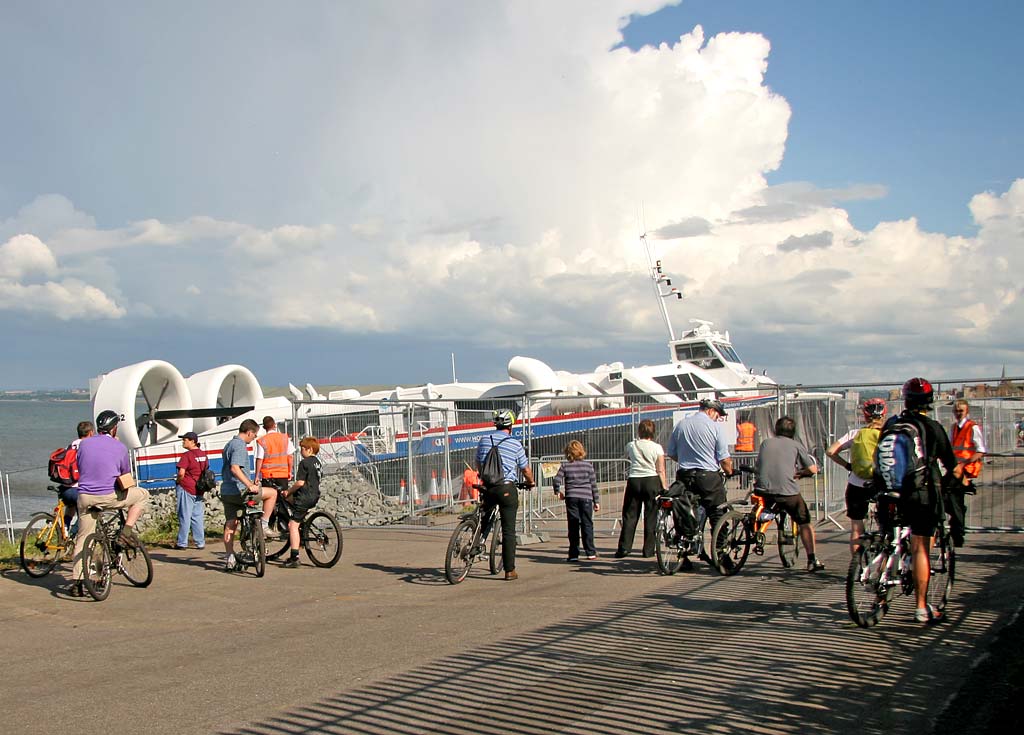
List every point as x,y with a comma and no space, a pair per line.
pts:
281,483
234,507
920,516
857,499
299,505
794,505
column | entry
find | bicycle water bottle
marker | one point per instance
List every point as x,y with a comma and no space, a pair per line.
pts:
766,516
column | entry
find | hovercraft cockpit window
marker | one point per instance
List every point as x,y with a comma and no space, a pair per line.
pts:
728,352
700,354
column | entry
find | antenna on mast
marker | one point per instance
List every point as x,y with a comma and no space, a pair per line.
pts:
663,288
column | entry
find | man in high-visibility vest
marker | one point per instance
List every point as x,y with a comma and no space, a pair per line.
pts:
969,448
745,431
275,457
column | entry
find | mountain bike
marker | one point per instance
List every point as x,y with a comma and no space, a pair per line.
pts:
672,547
103,554
46,540
739,531
319,534
251,537
466,545
884,563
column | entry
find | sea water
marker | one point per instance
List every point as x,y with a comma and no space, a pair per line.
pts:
29,431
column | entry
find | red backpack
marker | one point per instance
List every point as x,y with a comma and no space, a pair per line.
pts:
63,467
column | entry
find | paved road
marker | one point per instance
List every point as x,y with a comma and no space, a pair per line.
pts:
382,644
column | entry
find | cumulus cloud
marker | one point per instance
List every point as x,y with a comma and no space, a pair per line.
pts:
814,241
29,283
481,172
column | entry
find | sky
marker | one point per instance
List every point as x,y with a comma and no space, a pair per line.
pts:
346,193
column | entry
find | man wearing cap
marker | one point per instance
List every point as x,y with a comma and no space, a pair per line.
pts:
699,444
190,505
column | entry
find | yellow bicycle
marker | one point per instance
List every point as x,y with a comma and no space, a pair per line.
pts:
46,541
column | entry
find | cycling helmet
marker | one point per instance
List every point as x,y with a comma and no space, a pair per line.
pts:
107,420
917,393
503,419
713,403
873,408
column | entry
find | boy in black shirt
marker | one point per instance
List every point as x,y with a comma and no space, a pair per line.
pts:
302,496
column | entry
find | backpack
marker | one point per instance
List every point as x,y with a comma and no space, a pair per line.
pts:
862,452
492,473
206,482
63,465
684,515
900,459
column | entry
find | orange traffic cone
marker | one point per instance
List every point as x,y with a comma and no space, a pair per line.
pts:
435,492
416,498
403,495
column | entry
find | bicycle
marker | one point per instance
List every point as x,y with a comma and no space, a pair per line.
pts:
739,530
884,562
46,541
671,547
319,534
103,554
466,545
251,536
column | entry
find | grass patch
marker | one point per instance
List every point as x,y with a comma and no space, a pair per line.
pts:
10,551
164,532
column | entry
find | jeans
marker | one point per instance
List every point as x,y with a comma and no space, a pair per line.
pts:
580,514
506,497
190,514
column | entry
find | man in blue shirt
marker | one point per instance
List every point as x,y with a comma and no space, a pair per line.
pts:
504,495
699,445
235,482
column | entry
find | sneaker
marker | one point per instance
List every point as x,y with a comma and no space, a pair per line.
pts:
292,562
180,548
75,589
726,563
509,576
928,615
231,563
270,533
573,558
813,565
591,557
687,565
621,554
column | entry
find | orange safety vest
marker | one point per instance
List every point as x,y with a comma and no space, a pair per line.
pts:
964,447
745,436
277,462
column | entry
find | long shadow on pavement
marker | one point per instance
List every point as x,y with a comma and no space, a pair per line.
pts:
768,651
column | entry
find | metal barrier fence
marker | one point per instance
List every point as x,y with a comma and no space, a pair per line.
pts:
415,452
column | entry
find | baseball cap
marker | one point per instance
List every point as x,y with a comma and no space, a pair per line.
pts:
189,435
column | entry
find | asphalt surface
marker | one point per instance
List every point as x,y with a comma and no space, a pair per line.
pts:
382,644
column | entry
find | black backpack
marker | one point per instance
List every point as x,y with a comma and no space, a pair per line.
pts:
206,482
684,508
492,473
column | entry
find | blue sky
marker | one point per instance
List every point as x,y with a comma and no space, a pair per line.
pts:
347,193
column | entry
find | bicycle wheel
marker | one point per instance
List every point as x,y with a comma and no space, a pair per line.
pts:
321,535
496,559
42,545
667,550
97,566
279,521
136,566
867,590
459,557
942,559
788,535
731,539
258,543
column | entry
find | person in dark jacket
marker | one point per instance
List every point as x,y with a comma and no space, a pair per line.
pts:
576,483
